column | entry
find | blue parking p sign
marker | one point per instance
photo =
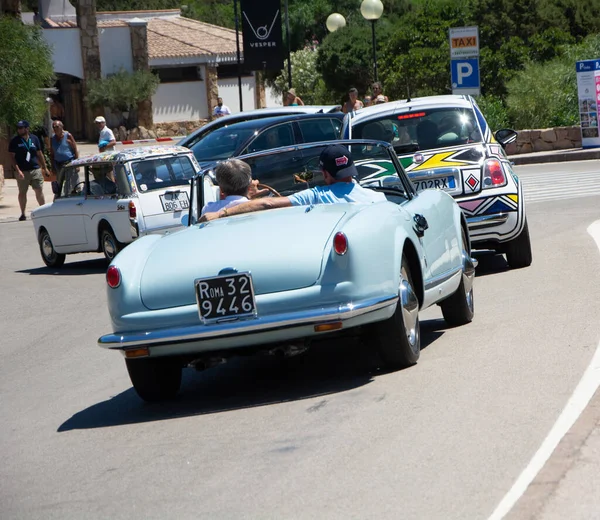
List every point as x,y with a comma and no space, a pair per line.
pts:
465,76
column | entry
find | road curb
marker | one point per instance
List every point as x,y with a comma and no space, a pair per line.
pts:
567,155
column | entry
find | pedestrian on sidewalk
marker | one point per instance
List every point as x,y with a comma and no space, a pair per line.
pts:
26,155
107,139
291,99
221,110
377,91
353,102
63,149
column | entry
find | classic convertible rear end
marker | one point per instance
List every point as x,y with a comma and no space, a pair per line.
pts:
289,276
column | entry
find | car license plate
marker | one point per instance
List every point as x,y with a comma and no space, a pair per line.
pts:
442,183
175,201
225,297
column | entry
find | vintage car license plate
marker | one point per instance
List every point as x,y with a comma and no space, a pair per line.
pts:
175,201
225,297
443,183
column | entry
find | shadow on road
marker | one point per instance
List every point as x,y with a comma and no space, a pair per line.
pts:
490,262
96,266
327,368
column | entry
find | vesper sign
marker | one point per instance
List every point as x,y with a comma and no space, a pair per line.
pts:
261,29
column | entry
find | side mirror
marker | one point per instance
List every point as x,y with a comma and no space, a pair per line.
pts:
505,136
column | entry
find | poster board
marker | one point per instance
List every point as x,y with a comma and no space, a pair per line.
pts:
588,93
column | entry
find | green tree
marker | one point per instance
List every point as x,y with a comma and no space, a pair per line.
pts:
309,85
545,94
122,91
26,65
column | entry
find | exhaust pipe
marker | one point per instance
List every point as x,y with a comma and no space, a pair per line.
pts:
206,363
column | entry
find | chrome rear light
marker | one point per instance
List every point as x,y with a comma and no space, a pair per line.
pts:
493,174
113,277
340,243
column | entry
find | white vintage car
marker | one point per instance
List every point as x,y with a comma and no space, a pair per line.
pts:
107,200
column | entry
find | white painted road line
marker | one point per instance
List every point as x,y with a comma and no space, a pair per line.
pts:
580,398
540,185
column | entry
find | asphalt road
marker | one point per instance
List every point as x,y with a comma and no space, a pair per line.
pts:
327,435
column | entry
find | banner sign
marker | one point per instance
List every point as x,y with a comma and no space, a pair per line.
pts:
263,37
588,92
464,42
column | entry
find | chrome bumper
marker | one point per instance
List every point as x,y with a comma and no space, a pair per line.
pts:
229,328
487,220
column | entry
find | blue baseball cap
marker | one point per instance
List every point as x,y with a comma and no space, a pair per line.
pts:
23,124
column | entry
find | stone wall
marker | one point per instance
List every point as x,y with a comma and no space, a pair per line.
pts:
159,130
546,140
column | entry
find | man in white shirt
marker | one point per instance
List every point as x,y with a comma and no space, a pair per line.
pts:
107,139
338,171
221,109
234,178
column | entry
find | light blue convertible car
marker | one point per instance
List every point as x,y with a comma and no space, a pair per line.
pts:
279,280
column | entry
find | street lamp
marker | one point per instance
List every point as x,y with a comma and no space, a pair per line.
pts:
335,21
372,11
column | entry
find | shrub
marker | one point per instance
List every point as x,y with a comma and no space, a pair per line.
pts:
122,91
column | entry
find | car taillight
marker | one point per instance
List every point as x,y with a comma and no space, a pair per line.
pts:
340,243
132,210
113,277
493,174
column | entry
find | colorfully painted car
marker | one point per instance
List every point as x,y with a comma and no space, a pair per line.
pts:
444,142
286,278
249,115
107,200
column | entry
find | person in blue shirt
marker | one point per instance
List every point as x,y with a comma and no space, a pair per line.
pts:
338,171
26,154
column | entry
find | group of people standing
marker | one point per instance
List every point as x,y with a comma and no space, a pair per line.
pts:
375,98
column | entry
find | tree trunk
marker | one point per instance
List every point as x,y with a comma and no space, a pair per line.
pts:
11,7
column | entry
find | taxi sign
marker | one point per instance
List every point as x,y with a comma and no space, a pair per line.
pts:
464,42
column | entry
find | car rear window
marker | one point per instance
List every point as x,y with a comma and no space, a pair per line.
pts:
162,172
425,129
320,129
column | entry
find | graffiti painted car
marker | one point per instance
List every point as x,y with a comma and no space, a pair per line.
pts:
444,142
107,200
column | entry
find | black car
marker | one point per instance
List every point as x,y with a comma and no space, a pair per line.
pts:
260,113
264,134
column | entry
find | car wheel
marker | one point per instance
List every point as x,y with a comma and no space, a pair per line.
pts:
110,245
49,255
458,309
155,379
518,250
399,337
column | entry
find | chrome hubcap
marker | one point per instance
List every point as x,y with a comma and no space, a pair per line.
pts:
468,275
410,311
109,247
47,247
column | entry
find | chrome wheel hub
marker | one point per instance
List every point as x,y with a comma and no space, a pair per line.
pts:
109,247
48,248
410,312
468,275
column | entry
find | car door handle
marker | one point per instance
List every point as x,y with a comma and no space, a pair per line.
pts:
79,204
296,159
420,224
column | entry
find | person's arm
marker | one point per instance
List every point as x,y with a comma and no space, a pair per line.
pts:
299,101
73,144
18,171
42,160
248,207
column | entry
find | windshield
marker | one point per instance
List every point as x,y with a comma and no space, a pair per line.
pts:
289,171
221,143
162,172
420,130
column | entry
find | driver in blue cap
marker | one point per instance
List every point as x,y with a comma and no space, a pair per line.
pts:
338,171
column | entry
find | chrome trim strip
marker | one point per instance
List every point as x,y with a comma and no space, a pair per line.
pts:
259,324
441,278
487,220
